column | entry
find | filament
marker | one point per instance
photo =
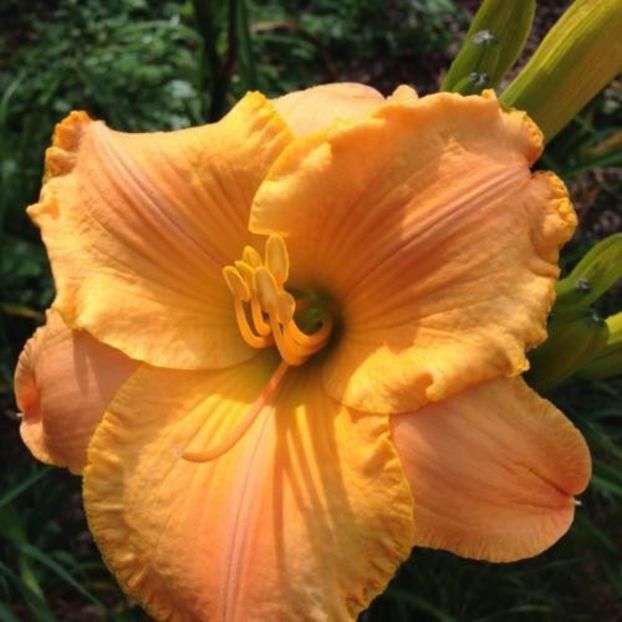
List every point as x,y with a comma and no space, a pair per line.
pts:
265,310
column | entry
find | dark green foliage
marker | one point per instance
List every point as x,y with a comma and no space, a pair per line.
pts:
301,43
126,60
165,64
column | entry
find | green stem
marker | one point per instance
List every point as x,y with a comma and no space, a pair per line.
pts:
210,63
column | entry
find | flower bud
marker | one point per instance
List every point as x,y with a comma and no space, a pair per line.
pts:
492,45
598,270
572,342
579,56
608,361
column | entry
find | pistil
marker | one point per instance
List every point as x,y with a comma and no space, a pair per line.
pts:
240,430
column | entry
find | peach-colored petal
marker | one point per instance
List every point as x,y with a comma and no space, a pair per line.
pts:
404,94
317,107
139,226
493,471
305,518
439,248
63,382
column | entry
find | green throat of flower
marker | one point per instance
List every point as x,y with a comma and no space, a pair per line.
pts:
269,315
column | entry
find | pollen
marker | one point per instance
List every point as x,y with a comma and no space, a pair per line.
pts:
266,312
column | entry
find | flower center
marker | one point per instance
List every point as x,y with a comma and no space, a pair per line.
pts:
267,314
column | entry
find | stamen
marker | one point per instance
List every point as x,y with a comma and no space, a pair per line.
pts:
265,313
253,340
262,327
271,308
286,307
291,354
266,288
242,292
319,338
277,259
246,271
252,257
238,288
230,441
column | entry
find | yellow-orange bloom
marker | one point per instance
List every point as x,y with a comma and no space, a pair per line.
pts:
320,307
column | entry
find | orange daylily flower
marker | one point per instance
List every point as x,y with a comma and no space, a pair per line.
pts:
309,319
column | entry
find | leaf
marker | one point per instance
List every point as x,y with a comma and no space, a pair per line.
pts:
23,485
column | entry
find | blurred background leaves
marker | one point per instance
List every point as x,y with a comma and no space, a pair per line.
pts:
167,64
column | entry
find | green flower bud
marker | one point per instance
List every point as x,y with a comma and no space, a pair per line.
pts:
598,270
495,39
579,56
571,343
608,361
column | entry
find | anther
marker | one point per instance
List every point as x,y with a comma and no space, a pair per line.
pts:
285,307
252,257
266,288
248,273
277,260
236,284
268,317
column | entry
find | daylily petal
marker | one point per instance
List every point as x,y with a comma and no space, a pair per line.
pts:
317,107
425,226
139,226
404,94
305,518
63,382
493,471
